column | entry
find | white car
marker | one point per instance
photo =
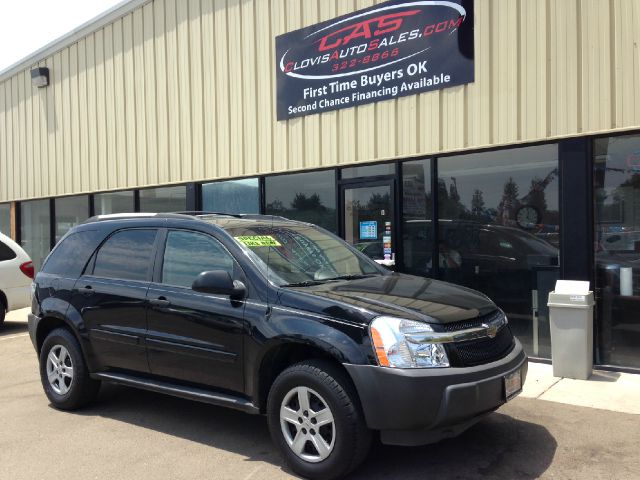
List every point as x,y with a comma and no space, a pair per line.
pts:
16,275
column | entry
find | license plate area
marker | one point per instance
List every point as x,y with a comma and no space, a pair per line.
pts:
512,384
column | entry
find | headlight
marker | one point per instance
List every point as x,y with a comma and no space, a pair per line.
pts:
395,344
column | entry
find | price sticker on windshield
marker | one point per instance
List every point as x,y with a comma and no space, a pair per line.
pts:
253,241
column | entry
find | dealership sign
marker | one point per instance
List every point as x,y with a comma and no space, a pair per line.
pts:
391,50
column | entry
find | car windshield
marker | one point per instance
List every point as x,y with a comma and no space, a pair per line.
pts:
297,255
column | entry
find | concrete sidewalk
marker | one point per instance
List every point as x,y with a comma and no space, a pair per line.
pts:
614,391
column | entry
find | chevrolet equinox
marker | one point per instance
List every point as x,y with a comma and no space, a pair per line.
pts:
270,316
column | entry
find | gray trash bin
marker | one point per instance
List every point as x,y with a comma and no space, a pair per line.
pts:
571,319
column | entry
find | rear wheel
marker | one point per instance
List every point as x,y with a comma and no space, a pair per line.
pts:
3,312
315,419
64,373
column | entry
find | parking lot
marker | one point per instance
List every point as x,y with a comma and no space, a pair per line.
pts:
136,434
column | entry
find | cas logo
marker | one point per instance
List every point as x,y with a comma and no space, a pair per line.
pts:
372,39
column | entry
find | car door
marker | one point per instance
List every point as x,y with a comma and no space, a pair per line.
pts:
111,298
194,337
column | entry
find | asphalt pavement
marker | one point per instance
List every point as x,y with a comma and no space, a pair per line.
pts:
132,434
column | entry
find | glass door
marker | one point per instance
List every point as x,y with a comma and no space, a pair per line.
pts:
368,219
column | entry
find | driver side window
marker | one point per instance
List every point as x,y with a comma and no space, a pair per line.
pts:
187,254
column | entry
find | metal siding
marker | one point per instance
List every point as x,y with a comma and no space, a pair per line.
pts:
223,57
83,133
4,170
175,91
197,110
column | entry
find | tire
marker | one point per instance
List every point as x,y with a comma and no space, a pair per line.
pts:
61,360
346,439
3,312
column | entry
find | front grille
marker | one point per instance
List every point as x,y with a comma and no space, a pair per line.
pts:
484,350
471,323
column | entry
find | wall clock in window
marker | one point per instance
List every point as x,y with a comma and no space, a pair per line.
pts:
528,216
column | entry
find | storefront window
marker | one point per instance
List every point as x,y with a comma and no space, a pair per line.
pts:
70,211
417,232
34,230
499,232
617,249
5,219
234,196
310,197
113,202
161,200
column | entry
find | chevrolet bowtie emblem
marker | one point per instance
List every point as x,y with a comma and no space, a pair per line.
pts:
492,330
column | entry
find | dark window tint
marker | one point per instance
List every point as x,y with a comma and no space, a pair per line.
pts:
499,229
72,254
309,197
70,211
127,255
6,253
5,218
417,236
188,254
164,199
113,202
616,198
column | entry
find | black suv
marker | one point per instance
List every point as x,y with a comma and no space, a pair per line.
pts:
270,316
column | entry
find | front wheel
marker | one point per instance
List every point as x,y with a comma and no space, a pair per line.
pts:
316,421
63,371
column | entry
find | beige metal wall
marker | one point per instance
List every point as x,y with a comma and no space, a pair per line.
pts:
182,90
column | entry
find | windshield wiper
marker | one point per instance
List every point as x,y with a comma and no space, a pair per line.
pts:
353,277
306,283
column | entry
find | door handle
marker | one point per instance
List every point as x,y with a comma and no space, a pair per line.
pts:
86,291
160,302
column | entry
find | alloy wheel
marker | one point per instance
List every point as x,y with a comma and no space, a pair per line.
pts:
307,424
60,369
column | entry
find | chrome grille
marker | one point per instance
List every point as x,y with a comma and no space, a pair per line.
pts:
482,350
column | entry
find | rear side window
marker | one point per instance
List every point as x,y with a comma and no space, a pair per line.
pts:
188,254
6,253
126,255
72,254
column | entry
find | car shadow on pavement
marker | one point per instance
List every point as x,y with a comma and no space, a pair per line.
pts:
499,447
12,328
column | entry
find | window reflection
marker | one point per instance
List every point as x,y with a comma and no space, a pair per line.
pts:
499,232
166,199
35,236
113,202
416,207
617,249
234,196
309,197
70,211
5,219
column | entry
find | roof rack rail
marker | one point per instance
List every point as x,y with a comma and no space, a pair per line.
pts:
256,216
204,212
194,213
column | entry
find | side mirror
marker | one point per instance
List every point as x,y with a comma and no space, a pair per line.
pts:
219,282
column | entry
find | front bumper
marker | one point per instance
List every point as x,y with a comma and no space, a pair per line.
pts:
420,406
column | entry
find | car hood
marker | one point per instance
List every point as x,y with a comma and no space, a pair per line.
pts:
398,295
